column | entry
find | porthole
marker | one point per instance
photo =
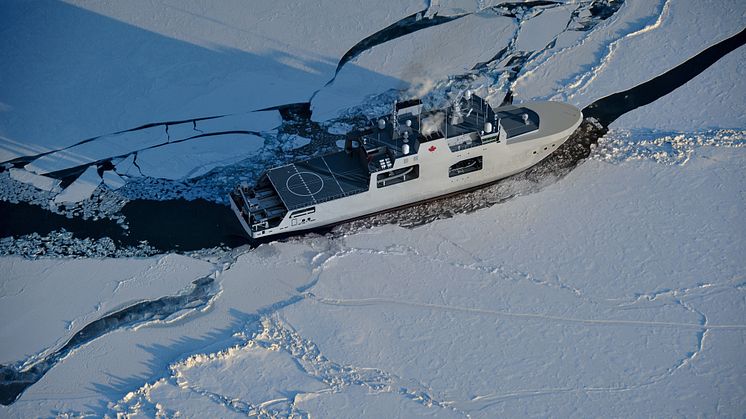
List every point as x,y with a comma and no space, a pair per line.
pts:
534,152
545,148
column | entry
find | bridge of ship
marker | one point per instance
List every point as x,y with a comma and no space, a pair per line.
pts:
470,119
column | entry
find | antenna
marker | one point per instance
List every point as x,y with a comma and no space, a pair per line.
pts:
481,109
394,122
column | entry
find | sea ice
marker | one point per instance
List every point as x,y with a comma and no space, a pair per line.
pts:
113,180
617,287
81,188
196,157
429,54
124,65
42,182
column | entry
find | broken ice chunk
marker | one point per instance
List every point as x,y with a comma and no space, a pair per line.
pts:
98,149
296,141
197,156
42,182
113,180
82,188
127,166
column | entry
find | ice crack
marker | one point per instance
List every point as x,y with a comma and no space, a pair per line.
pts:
15,379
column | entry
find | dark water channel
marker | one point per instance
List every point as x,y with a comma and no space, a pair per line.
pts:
173,225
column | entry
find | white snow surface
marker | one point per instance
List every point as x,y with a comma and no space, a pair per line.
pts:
713,99
643,40
616,290
85,68
634,290
59,297
415,60
489,329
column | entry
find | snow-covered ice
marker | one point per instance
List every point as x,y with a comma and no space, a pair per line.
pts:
430,54
710,100
612,289
645,39
538,302
119,66
50,295
617,292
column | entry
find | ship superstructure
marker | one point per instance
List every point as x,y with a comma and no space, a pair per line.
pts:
406,157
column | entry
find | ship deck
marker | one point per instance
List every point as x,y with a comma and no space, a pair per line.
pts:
320,179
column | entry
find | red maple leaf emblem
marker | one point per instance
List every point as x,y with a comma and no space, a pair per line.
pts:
432,148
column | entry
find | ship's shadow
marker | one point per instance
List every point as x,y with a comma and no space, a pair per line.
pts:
89,129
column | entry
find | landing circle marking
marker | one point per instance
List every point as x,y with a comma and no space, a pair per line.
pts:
304,184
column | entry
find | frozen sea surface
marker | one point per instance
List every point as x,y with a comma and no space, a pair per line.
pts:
610,287
607,281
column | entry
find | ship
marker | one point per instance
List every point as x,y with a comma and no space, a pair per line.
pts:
409,156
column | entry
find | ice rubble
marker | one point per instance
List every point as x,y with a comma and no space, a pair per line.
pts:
63,244
102,202
621,145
